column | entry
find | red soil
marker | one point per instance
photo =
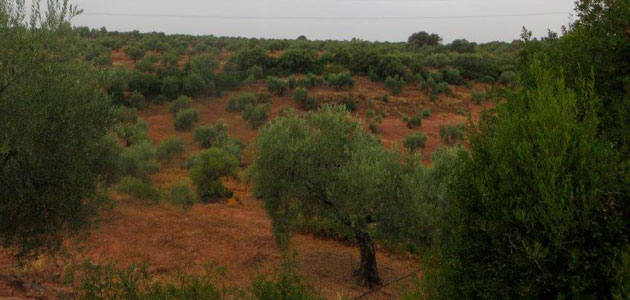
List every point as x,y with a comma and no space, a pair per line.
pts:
236,234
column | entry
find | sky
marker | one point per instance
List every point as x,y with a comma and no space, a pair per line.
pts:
374,20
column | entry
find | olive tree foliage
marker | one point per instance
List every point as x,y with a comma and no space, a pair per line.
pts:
423,38
532,213
52,119
324,165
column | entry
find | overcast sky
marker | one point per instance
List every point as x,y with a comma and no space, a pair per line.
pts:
475,20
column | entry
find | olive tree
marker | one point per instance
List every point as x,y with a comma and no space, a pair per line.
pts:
50,128
325,165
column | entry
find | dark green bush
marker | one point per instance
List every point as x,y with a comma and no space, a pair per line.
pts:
415,141
277,86
138,161
508,78
413,122
256,115
207,169
452,134
137,100
167,150
530,212
139,189
208,135
240,102
178,104
395,84
304,100
182,195
426,113
193,85
171,87
340,80
477,96
186,119
135,52
453,76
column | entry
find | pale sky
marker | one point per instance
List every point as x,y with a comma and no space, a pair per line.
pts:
475,20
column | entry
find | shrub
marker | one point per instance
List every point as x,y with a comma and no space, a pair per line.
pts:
340,80
137,100
171,86
124,114
452,134
426,113
508,78
147,84
207,135
530,210
170,60
186,119
256,115
292,82
349,103
303,99
132,133
395,84
138,189
374,120
168,149
182,195
415,141
453,76
310,80
205,65
138,161
477,96
208,168
277,86
422,38
413,122
240,102
193,85
135,52
146,65
178,104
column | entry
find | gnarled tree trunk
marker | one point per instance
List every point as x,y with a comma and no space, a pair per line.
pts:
368,271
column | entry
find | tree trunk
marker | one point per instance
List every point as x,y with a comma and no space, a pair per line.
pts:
368,271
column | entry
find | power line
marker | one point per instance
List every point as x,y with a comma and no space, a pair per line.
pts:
105,14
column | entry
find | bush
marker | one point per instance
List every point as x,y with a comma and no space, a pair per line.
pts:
132,133
530,214
182,195
137,100
426,113
477,96
205,65
193,85
413,122
303,99
138,189
340,80
452,134
277,86
453,76
415,141
240,102
138,161
349,103
171,86
208,168
124,114
256,115
422,38
180,103
310,80
395,84
186,119
135,52
207,135
146,65
508,78
168,149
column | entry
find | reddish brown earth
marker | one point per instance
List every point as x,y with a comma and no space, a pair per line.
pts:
236,234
